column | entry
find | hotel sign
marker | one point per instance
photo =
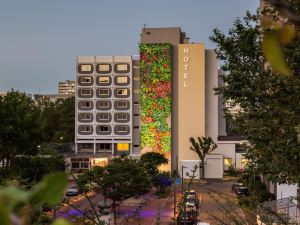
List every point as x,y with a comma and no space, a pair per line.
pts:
186,74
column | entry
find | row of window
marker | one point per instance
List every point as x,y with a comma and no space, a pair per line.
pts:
103,93
101,147
104,129
104,117
103,80
104,68
104,105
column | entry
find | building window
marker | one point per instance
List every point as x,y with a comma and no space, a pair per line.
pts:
104,146
122,116
104,92
85,105
86,129
85,117
104,128
122,105
86,91
103,117
104,80
85,68
122,92
122,147
122,129
103,105
122,68
121,80
104,68
86,80
241,148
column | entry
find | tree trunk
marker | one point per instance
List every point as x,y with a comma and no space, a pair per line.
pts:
114,212
202,169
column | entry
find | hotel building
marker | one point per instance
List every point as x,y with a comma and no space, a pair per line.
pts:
154,102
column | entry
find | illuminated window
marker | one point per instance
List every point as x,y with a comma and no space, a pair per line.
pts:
103,116
122,68
244,162
103,68
85,68
227,161
122,80
85,129
122,146
122,91
104,80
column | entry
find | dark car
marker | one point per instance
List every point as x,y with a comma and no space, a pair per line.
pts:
190,216
237,185
241,191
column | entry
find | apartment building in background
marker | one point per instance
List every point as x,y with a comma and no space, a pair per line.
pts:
66,88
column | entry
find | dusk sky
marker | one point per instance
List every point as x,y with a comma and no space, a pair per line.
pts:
40,39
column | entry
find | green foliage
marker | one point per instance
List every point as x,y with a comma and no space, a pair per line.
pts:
19,204
155,69
162,180
151,161
204,146
270,111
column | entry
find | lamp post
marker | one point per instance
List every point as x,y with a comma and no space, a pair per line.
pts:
183,195
174,198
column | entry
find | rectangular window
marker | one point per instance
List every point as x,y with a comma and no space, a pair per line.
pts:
122,146
122,80
86,129
104,68
86,116
104,146
103,91
86,91
103,104
122,129
136,91
122,91
85,68
103,80
122,116
103,116
122,104
104,128
86,80
122,67
86,104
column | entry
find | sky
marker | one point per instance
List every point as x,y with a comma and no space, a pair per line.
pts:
40,39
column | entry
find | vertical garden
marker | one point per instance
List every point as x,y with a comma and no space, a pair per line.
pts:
155,92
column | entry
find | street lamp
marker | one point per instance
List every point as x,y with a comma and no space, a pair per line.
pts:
183,195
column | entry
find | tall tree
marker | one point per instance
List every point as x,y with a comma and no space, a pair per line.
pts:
151,161
204,146
19,128
269,102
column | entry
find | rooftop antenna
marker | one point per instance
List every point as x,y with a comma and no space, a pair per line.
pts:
144,25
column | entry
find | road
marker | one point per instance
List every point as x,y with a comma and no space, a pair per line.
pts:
154,210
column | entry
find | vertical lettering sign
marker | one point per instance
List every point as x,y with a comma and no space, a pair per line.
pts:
186,75
155,92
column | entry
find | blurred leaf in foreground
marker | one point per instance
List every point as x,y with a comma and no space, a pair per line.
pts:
50,190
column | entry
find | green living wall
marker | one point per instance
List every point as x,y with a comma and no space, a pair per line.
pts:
155,92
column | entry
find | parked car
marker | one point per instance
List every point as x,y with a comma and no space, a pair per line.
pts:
190,216
191,192
191,206
241,191
236,185
72,191
192,199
